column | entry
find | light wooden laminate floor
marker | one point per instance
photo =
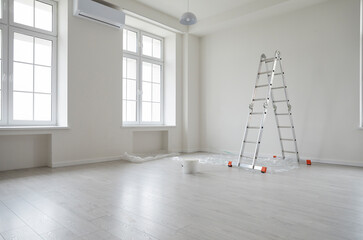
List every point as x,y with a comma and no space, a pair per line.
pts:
155,200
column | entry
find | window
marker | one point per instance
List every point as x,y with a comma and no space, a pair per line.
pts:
28,62
142,78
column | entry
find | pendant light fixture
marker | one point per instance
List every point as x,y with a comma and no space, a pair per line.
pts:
188,18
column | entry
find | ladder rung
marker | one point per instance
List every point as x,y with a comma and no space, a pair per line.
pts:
287,139
253,127
250,142
267,60
280,114
264,85
284,126
276,101
257,113
242,156
258,99
267,72
278,87
276,74
289,151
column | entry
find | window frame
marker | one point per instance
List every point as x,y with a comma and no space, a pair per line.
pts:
140,58
9,27
54,18
3,75
53,93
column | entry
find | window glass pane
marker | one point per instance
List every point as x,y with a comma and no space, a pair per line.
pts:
23,106
124,68
147,45
43,52
156,92
42,107
23,12
131,111
146,112
42,79
23,48
124,111
124,39
131,68
156,73
146,71
131,41
131,90
43,16
1,12
0,106
156,48
146,91
155,112
124,88
23,77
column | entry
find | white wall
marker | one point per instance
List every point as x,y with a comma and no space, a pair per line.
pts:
191,103
91,69
28,151
320,50
94,95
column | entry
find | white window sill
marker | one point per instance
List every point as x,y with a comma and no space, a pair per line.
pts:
34,128
148,127
28,130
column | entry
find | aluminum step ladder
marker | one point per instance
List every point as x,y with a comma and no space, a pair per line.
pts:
270,73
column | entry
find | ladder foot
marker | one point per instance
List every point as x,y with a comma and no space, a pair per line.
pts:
308,162
263,169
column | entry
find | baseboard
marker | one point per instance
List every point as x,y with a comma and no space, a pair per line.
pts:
303,158
84,161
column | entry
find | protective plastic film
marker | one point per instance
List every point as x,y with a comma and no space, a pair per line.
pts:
274,165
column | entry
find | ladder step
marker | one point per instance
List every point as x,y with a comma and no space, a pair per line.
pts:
267,60
276,101
284,126
280,114
264,85
251,142
289,151
253,127
276,74
257,113
278,87
243,156
258,99
287,139
267,72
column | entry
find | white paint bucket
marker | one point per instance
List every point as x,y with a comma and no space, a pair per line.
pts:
190,166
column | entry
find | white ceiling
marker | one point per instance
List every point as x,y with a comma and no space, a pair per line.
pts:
213,15
203,8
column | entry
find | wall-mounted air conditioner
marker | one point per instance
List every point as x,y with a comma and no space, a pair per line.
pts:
98,12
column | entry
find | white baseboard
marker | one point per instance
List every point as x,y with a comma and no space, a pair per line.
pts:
303,158
84,161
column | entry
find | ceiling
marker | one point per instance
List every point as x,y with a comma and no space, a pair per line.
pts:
213,15
203,8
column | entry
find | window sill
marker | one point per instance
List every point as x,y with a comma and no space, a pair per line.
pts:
13,130
148,127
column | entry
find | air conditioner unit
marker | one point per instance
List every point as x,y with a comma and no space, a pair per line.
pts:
98,12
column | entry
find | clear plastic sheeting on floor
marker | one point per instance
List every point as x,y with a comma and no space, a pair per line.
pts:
144,157
273,164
